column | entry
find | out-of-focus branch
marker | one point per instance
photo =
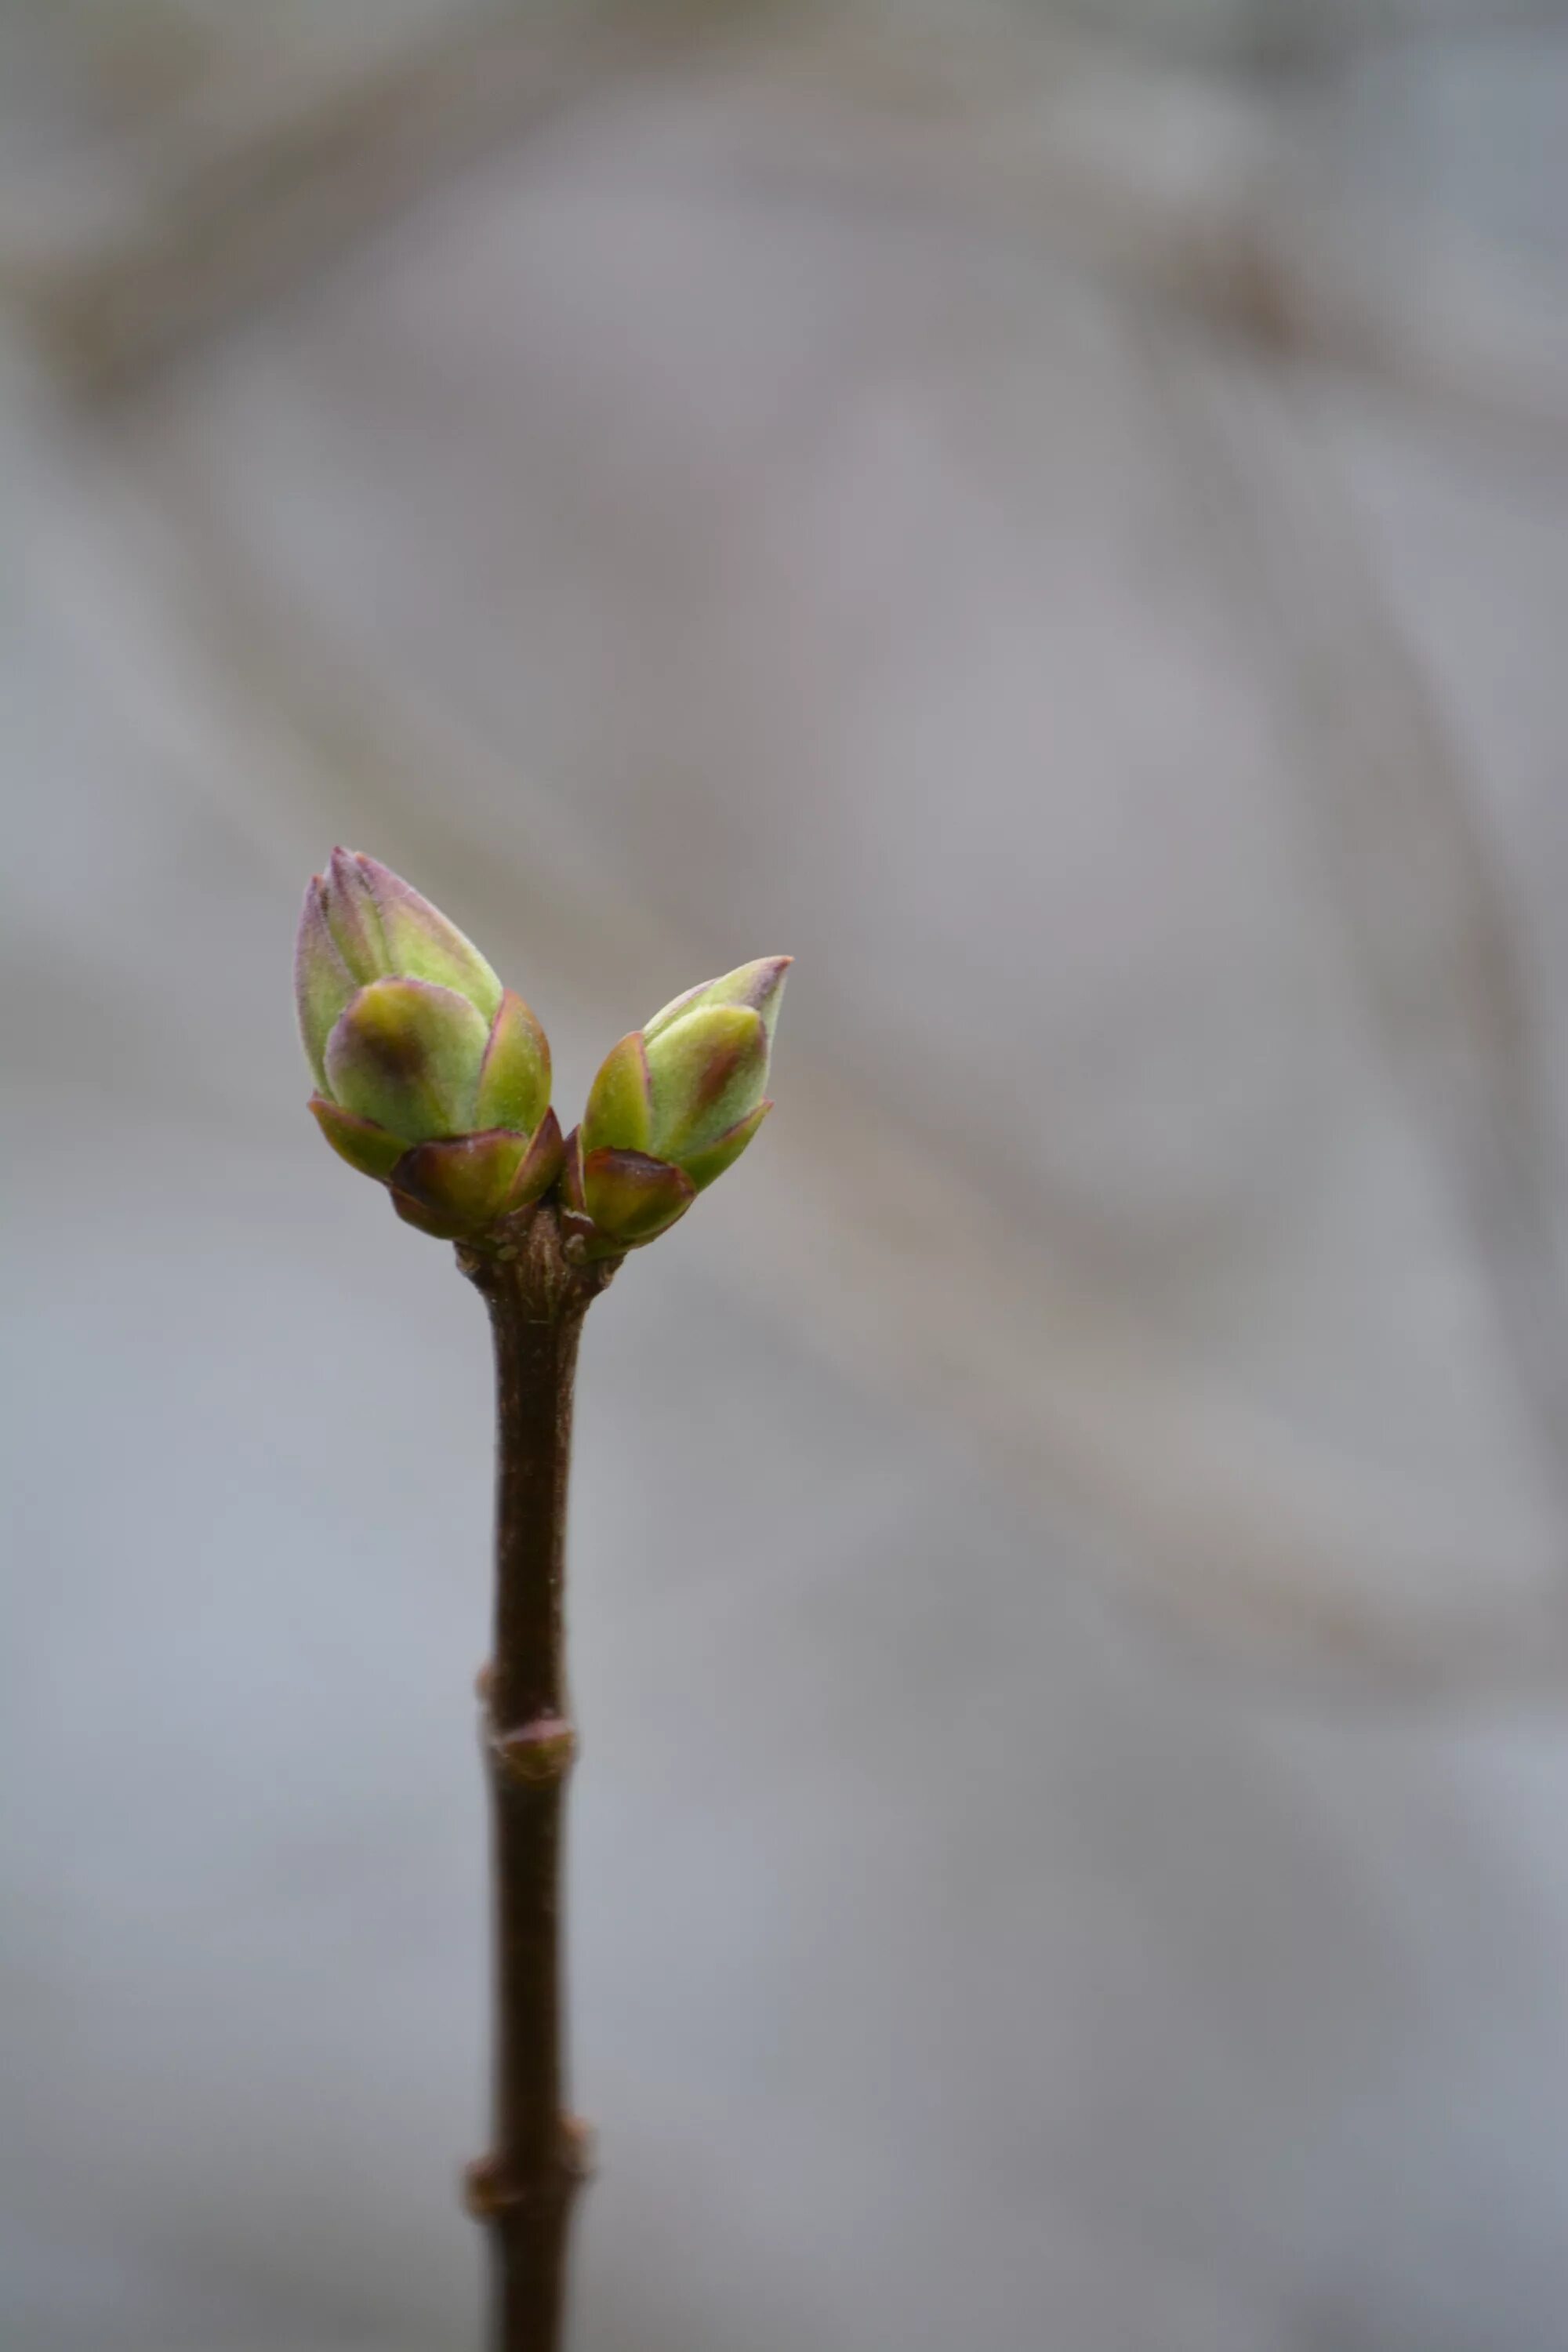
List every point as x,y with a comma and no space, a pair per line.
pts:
1195,188
1189,185
1427,910
243,211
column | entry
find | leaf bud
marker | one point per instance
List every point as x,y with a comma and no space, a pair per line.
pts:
431,1077
672,1107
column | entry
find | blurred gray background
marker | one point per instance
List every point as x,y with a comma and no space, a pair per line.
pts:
1056,518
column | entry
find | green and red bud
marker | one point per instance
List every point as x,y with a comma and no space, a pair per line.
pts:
431,1077
672,1107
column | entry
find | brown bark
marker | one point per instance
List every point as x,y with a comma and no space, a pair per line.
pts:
524,2190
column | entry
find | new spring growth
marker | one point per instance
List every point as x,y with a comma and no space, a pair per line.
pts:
672,1107
431,1077
435,1079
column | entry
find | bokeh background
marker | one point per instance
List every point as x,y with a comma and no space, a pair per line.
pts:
1055,517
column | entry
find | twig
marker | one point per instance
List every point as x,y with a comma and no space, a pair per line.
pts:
524,2190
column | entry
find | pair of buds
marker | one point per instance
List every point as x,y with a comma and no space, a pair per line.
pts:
435,1079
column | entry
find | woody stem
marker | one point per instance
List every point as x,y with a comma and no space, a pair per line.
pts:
525,2188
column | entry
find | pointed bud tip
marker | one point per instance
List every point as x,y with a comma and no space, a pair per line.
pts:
756,985
769,974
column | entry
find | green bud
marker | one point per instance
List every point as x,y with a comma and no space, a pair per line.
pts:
671,1108
452,1187
705,1072
514,1088
407,1054
620,1199
362,922
431,1078
359,1141
758,986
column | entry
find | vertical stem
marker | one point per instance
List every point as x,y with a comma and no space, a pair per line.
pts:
523,2189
